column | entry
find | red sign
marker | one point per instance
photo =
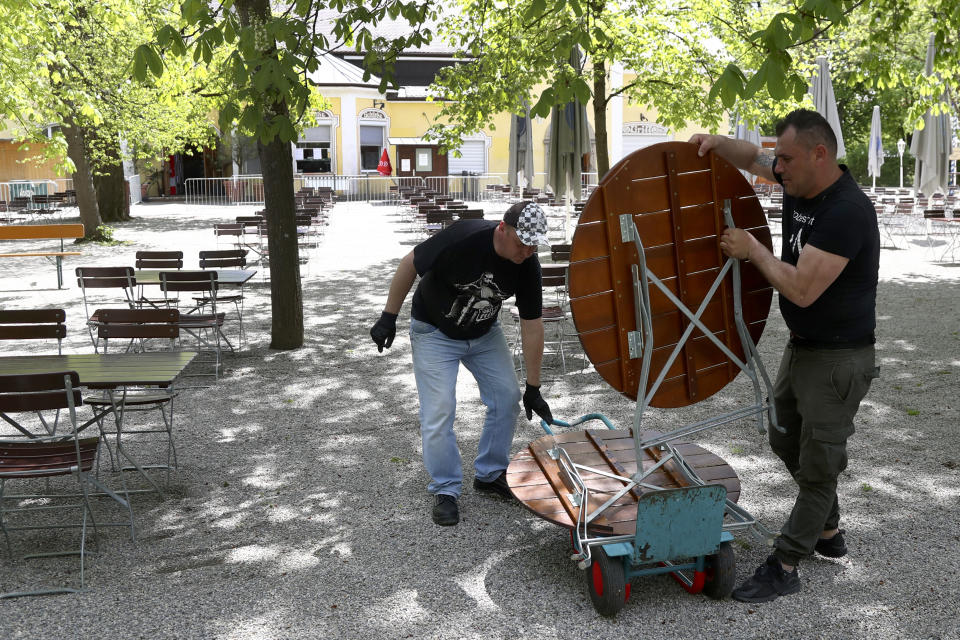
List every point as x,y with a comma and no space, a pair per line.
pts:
384,167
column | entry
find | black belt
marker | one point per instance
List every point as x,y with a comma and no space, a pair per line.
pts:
855,343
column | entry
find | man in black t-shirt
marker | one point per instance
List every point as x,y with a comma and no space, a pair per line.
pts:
827,281
466,272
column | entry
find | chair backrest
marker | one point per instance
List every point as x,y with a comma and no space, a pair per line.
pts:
39,391
223,258
33,324
560,252
554,275
205,281
228,229
159,260
106,278
250,221
470,214
138,323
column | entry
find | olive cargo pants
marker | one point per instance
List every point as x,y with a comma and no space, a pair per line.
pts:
816,395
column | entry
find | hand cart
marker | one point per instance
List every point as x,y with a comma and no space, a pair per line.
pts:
641,502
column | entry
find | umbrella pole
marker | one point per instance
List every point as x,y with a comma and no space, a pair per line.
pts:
874,184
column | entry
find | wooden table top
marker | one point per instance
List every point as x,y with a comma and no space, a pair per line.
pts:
535,479
675,198
158,368
224,276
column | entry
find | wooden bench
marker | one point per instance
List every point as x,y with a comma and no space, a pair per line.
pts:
43,232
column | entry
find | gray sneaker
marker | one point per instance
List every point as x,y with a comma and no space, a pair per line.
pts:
446,512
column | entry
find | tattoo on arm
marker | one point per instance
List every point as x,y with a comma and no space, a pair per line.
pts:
763,159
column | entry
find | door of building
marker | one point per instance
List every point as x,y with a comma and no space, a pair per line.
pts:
420,160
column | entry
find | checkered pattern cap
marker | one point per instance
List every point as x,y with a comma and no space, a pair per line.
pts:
529,221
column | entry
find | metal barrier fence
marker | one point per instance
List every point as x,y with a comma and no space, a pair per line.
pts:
235,190
26,189
358,188
471,188
587,179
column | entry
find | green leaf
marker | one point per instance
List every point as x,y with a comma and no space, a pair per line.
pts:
537,7
140,63
542,108
582,90
153,60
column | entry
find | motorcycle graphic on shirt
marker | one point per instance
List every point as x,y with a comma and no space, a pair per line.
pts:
477,301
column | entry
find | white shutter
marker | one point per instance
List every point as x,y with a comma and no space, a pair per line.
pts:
632,142
473,158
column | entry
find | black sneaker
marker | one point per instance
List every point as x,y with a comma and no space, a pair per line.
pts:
835,547
445,510
498,486
769,582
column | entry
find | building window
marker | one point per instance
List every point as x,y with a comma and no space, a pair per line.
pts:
424,160
313,153
371,146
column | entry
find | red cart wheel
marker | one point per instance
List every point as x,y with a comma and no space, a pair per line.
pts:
721,572
606,583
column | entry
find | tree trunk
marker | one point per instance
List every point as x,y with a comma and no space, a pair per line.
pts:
82,177
286,296
276,164
600,118
111,189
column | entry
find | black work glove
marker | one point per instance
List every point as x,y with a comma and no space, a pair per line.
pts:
533,401
384,331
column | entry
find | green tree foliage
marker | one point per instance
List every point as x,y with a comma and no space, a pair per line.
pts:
263,60
518,51
67,62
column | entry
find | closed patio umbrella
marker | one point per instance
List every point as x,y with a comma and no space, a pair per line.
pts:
875,147
521,149
569,140
931,145
825,103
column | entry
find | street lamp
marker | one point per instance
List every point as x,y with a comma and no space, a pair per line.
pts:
901,147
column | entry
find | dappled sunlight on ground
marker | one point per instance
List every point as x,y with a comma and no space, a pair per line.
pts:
300,508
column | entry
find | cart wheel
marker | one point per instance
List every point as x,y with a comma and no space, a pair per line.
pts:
606,584
721,572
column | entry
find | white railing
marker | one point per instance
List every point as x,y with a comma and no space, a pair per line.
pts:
588,179
353,188
26,189
467,188
234,190
64,184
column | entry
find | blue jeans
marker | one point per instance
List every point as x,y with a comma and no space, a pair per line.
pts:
436,361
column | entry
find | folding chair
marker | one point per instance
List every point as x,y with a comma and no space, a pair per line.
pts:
232,231
207,328
143,328
32,324
89,278
555,313
39,459
233,258
154,260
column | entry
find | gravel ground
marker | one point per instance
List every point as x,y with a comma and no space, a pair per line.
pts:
300,509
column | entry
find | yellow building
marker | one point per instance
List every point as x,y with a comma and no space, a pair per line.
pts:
361,122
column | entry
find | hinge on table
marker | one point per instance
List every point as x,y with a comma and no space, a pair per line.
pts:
627,228
635,344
